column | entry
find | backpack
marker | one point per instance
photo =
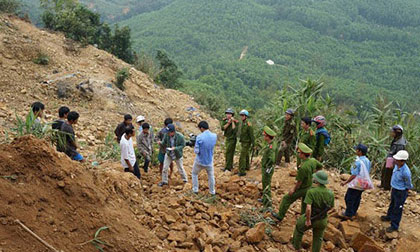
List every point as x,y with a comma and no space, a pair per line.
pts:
324,132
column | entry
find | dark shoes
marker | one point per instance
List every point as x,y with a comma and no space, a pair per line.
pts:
390,230
259,200
162,184
385,218
241,174
276,215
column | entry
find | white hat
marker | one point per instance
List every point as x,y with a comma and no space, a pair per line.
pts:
401,155
140,118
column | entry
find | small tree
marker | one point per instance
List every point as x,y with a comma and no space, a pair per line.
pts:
122,44
9,6
121,76
169,74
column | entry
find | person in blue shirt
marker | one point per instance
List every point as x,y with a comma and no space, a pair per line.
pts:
204,147
353,196
401,184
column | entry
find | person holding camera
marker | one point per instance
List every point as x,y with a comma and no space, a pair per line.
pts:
230,129
204,147
174,143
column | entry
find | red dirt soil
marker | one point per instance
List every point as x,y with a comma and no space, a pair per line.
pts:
65,203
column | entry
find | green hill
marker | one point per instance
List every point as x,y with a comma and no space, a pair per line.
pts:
359,48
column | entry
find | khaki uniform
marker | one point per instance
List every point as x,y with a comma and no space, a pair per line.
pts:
288,136
246,138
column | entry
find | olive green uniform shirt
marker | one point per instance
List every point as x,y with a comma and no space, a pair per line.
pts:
305,172
246,133
229,132
289,131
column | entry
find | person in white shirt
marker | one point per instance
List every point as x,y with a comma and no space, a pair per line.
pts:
128,156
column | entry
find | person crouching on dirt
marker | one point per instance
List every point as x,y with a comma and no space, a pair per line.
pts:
303,182
288,136
68,132
162,149
398,143
120,130
353,196
38,111
204,147
128,156
246,138
267,166
145,145
401,184
319,200
174,143
230,129
322,138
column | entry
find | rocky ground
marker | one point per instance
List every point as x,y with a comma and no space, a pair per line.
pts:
65,202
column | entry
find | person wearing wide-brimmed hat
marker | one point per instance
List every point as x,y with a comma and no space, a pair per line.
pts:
401,184
267,165
319,200
303,182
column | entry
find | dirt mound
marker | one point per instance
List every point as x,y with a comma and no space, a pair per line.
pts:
65,203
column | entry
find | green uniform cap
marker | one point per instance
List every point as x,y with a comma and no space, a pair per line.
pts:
269,131
321,177
304,148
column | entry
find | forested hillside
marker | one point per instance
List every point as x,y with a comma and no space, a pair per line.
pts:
359,48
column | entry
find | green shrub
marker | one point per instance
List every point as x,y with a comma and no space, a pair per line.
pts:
121,76
42,59
9,6
169,74
147,65
110,150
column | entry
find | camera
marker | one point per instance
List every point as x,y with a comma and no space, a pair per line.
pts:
191,142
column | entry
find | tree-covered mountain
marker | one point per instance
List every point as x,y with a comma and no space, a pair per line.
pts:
359,48
110,10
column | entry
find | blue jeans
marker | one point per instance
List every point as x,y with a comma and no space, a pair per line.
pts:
395,209
136,170
352,199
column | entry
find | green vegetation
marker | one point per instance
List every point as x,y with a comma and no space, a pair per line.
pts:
360,48
347,128
110,150
96,241
9,6
42,59
169,74
121,76
81,24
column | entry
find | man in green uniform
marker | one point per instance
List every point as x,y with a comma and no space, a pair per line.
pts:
306,136
267,166
303,182
246,138
319,200
230,129
288,136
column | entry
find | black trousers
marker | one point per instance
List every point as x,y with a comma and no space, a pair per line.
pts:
136,170
352,199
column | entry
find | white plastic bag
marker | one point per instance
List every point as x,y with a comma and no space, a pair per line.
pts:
362,181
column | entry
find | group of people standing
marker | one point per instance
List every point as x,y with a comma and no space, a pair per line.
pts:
171,145
311,179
